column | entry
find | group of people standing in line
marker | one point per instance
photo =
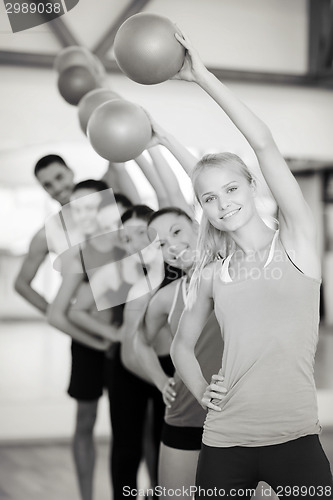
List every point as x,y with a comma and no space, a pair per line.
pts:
204,334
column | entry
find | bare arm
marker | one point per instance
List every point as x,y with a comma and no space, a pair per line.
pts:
133,313
278,176
150,363
84,314
111,178
155,319
154,179
125,182
297,228
169,180
38,250
190,327
156,315
184,157
57,314
160,136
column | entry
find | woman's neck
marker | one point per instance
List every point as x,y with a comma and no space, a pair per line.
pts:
188,271
253,237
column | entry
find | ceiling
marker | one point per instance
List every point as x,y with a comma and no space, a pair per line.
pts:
276,54
266,41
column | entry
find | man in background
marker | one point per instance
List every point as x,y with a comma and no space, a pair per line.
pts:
57,179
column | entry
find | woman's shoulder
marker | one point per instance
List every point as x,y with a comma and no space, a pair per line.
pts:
69,262
207,277
106,277
210,270
164,296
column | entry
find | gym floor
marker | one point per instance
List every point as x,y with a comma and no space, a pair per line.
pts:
34,369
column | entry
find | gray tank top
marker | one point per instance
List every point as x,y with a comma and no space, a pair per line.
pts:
185,411
269,324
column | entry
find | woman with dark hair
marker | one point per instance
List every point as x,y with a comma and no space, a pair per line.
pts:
88,361
139,274
184,416
131,282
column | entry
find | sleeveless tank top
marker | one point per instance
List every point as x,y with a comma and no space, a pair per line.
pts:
64,239
269,323
185,411
60,236
61,232
93,259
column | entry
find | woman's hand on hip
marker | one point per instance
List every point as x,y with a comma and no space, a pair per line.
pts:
214,390
168,392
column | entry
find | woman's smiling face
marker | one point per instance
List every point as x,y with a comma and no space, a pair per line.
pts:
135,237
84,209
177,238
226,197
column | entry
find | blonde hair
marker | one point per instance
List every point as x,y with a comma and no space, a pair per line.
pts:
213,244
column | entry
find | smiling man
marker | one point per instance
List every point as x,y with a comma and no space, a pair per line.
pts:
58,181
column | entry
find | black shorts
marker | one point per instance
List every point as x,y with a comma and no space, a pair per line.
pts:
297,469
167,365
88,373
182,438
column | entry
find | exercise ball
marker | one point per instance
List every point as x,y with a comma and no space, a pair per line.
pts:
119,130
76,81
146,49
91,101
74,55
99,69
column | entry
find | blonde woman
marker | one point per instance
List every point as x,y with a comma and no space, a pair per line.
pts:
262,422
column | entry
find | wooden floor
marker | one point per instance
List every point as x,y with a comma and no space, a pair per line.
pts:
46,472
42,469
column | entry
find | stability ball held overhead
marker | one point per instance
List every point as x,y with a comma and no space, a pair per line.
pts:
91,101
76,81
119,130
75,55
146,49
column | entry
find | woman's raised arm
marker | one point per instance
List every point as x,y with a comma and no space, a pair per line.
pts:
297,227
152,175
170,181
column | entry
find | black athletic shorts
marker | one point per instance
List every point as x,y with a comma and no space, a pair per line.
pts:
167,365
88,372
182,438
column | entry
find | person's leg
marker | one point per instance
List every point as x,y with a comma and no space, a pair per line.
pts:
297,469
83,446
226,472
153,433
150,443
155,422
108,380
86,386
176,472
128,403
